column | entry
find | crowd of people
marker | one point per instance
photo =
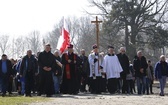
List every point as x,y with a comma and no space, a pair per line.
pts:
70,73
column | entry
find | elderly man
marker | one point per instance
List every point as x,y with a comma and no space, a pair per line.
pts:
29,67
124,61
84,69
140,65
161,73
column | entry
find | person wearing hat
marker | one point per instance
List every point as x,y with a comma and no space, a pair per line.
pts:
5,73
46,61
112,68
70,79
95,62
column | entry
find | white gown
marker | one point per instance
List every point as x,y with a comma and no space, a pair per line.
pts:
112,67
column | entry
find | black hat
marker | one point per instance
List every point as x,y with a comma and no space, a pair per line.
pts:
110,47
70,46
94,46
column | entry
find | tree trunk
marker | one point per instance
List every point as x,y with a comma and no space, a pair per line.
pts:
133,41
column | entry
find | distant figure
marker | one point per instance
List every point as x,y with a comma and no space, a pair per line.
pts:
130,78
28,69
140,65
46,61
112,67
5,73
149,78
161,73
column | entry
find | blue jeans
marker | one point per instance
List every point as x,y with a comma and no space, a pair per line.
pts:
162,81
0,84
57,80
22,85
141,84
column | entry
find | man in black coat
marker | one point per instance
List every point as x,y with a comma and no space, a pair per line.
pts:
84,70
28,69
140,65
124,61
47,63
5,72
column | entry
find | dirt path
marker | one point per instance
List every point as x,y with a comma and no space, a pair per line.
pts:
107,99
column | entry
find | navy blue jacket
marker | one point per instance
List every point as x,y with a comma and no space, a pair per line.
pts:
9,67
158,73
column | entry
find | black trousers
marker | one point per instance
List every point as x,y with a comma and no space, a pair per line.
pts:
124,85
96,85
29,83
10,84
112,85
5,81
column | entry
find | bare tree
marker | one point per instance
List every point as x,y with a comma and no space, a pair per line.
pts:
34,41
4,43
19,46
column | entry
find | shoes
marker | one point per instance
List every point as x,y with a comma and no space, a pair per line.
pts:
3,95
57,92
48,96
152,93
161,94
27,95
38,94
19,93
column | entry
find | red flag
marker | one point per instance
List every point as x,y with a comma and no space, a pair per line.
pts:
64,39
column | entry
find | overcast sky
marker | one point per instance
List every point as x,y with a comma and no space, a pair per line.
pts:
20,17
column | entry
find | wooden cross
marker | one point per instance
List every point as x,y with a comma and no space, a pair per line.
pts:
97,30
97,35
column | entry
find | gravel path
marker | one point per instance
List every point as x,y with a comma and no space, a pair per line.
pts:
107,99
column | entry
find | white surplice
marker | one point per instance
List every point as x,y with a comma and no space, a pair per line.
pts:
94,66
112,66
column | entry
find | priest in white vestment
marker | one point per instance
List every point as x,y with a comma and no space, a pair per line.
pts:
95,62
112,68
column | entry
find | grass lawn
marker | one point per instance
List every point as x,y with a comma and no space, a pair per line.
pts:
20,100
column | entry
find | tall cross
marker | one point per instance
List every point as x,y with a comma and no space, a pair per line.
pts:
97,35
97,30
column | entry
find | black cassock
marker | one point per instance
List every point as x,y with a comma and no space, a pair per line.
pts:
70,74
46,81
